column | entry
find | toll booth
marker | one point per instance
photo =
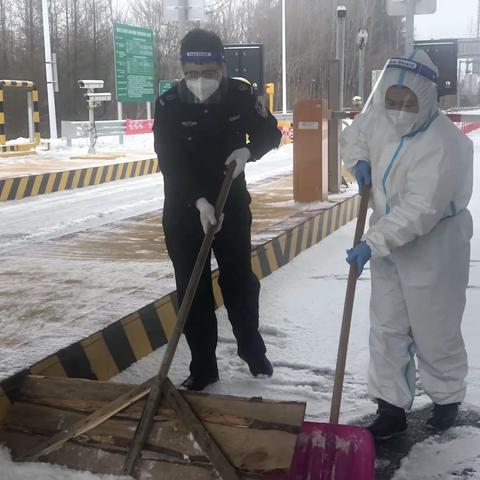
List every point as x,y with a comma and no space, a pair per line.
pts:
246,61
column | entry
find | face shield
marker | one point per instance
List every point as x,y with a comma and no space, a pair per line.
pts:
203,72
406,92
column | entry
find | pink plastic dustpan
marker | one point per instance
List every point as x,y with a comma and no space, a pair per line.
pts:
327,452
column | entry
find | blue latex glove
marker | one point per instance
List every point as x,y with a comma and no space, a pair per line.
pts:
363,172
360,255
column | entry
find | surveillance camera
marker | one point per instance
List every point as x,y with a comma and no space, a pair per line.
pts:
90,84
99,97
341,12
362,38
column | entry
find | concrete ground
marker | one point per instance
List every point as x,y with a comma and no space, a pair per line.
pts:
88,279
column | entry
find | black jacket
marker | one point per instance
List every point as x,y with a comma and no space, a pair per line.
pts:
193,140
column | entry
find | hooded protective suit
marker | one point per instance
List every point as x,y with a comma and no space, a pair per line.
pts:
420,231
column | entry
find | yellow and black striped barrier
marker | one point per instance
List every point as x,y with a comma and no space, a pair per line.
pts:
23,147
36,112
113,349
17,188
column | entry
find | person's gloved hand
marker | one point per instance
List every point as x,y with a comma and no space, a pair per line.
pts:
207,215
363,172
241,156
360,255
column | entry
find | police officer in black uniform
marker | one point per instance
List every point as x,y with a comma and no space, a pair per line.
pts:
201,124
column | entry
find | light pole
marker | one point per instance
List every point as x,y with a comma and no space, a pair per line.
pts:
49,72
409,27
340,55
182,18
362,39
284,60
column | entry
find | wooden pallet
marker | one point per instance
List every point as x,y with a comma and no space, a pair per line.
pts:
257,436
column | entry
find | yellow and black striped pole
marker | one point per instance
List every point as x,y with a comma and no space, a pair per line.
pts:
36,112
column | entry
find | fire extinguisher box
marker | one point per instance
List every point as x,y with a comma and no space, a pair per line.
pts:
310,151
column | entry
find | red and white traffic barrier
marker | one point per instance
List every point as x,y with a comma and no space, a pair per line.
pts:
136,127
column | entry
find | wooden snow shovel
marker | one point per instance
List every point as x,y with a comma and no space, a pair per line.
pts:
160,384
327,451
220,462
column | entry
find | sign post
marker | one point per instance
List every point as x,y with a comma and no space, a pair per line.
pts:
362,38
408,9
52,116
183,11
410,26
134,65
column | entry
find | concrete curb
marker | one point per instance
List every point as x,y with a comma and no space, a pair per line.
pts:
16,188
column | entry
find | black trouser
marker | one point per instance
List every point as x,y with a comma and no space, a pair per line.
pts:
239,285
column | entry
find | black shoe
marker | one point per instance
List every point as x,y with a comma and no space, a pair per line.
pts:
390,421
260,366
443,416
198,383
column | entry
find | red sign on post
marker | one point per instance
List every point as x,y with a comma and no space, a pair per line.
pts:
135,127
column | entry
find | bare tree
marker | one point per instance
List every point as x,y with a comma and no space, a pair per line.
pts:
82,37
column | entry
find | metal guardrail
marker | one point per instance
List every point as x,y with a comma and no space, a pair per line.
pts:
103,128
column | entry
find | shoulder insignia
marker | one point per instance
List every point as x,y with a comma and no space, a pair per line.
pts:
171,97
161,102
243,87
234,118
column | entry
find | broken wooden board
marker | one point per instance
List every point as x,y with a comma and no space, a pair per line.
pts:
257,436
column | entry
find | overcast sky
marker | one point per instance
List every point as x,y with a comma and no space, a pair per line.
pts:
453,19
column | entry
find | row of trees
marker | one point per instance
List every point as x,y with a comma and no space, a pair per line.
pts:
81,35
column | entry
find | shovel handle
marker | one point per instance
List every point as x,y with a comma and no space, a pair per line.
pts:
156,383
153,400
347,313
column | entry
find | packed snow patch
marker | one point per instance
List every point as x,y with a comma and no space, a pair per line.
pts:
10,470
455,454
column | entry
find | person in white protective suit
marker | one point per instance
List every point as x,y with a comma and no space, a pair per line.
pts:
420,167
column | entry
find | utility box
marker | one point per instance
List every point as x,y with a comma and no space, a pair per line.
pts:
246,61
444,54
310,151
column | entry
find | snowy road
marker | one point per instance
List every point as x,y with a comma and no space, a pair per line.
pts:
301,331
76,261
51,216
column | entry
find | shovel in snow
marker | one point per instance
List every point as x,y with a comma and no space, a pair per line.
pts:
327,451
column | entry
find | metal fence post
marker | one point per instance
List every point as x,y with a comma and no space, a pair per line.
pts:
334,126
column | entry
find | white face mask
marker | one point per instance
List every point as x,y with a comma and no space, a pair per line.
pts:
402,121
203,88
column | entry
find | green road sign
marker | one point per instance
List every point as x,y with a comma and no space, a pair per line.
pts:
164,85
134,63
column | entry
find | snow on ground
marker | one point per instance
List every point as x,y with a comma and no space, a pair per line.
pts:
451,456
301,332
53,215
42,471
